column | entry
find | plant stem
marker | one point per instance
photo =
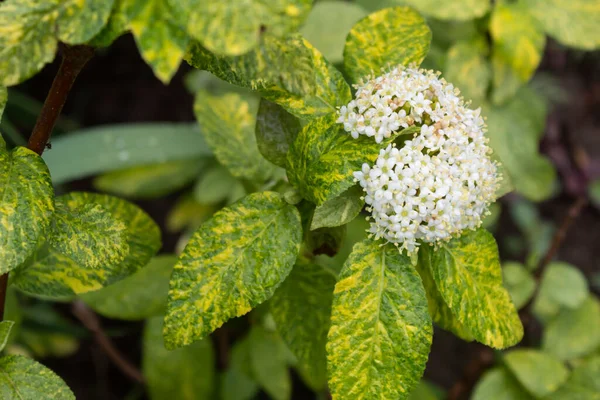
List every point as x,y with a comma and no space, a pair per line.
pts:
74,59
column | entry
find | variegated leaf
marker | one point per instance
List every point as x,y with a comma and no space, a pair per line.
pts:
52,275
339,210
467,273
287,71
276,129
384,39
468,69
117,25
458,10
26,205
234,262
381,330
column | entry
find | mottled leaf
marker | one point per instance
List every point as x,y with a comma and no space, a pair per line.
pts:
87,233
276,129
459,10
26,205
228,122
467,273
540,373
468,69
268,363
339,210
562,286
234,262
232,27
583,384
574,333
572,22
386,38
301,308
139,296
156,27
5,329
49,274
117,25
380,328
21,378
519,282
183,374
498,384
150,181
289,72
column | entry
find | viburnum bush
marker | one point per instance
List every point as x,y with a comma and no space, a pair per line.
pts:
311,118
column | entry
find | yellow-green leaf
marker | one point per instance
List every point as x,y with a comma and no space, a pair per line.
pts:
231,27
287,71
583,384
5,328
459,10
467,273
519,282
182,374
228,122
234,262
26,205
540,373
572,22
339,210
276,129
467,68
117,25
158,34
268,362
87,233
384,39
381,330
3,100
25,379
49,274
499,384
301,308
139,296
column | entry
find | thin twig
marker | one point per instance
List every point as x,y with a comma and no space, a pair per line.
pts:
90,320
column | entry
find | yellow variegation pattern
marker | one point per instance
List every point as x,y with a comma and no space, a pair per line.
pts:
234,262
380,328
233,27
466,271
117,25
571,22
26,204
468,69
384,39
49,274
30,30
228,122
158,34
459,10
287,71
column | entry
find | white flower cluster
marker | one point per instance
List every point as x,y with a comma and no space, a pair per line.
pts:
442,180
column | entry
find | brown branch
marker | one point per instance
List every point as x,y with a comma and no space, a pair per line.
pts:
91,321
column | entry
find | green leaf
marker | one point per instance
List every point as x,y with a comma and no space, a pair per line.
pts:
458,10
583,384
215,186
3,100
26,205
467,273
338,211
117,25
301,308
380,328
24,379
30,30
158,34
384,39
289,72
268,363
276,130
183,374
5,329
468,69
50,274
328,34
237,382
562,285
513,130
234,262
139,296
188,213
87,233
573,23
519,282
115,147
426,391
150,181
323,157
227,122
440,313
540,373
498,384
233,28
574,333
518,44
594,192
